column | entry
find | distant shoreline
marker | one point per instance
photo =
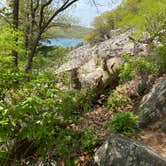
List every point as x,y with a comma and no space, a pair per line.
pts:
63,41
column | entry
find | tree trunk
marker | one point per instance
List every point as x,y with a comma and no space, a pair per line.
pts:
75,82
30,60
27,32
30,57
32,51
15,24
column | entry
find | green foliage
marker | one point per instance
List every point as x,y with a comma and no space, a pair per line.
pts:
155,23
142,15
9,74
33,109
160,57
49,57
72,31
39,115
9,79
7,40
124,122
89,138
85,99
137,66
44,114
117,98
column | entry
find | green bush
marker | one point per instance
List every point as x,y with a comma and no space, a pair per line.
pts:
43,114
9,74
50,57
117,99
155,24
85,99
89,138
161,58
124,122
137,66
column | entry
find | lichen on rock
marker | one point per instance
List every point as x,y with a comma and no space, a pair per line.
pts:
119,150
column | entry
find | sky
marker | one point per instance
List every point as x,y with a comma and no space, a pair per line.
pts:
86,12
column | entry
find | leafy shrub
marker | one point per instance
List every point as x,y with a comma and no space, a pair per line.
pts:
89,138
43,114
85,99
155,24
117,99
50,57
40,117
34,111
9,74
124,122
137,66
126,72
161,57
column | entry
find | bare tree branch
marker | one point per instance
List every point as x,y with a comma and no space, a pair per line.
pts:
42,12
66,4
37,5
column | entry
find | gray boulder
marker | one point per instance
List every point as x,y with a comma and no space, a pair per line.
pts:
119,150
97,65
153,105
113,47
100,62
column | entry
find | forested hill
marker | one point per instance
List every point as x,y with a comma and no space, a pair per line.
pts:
72,31
142,15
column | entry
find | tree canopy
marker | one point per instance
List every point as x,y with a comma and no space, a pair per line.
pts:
130,13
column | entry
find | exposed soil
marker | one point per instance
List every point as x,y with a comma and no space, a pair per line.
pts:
154,138
98,119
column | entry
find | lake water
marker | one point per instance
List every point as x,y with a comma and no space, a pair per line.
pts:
64,42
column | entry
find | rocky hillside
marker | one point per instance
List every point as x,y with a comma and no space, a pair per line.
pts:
102,59
119,43
120,150
98,67
72,31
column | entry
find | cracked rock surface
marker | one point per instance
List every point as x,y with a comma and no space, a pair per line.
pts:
119,150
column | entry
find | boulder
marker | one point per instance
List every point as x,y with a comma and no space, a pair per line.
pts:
95,71
99,63
119,150
101,60
153,105
113,47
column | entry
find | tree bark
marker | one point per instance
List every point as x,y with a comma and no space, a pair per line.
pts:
33,47
30,60
75,82
15,25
